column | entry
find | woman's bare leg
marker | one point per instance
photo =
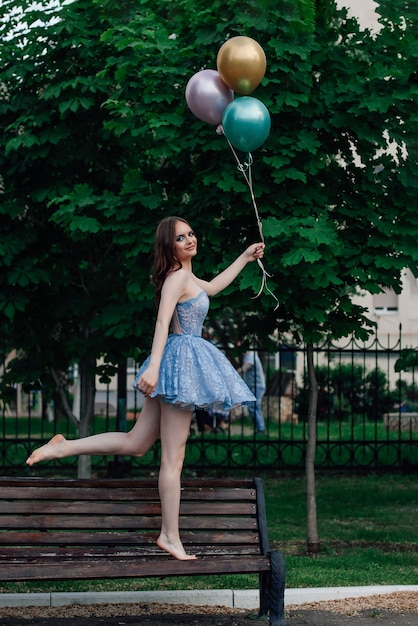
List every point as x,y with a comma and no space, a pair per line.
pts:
175,429
136,442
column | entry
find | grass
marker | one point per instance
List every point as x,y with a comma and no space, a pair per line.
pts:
367,528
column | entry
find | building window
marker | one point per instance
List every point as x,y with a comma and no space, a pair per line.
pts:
131,365
385,302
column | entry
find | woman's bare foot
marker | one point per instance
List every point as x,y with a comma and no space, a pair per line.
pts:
176,549
51,450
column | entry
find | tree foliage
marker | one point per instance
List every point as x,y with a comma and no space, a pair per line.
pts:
98,145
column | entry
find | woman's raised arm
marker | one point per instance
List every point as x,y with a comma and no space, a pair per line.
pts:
225,278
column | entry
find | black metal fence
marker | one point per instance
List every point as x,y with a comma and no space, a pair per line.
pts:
367,418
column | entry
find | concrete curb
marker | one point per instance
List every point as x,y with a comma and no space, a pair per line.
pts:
239,599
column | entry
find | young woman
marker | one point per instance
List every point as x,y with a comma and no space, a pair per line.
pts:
183,371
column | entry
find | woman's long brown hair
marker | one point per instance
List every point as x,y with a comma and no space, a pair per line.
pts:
164,259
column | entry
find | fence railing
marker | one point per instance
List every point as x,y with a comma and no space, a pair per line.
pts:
367,418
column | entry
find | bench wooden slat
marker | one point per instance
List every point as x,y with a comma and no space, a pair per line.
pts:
26,554
202,484
123,495
131,568
129,534
128,522
122,509
135,524
50,538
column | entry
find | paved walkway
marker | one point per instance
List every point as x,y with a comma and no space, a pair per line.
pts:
237,599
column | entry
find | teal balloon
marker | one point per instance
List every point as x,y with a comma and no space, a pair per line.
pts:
246,123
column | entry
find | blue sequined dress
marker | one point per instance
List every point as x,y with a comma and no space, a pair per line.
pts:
193,372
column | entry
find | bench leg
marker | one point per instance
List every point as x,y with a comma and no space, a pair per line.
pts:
264,593
276,589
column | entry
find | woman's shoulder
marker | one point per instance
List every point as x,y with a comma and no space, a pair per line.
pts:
177,282
178,276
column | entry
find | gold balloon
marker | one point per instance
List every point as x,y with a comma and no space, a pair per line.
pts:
241,64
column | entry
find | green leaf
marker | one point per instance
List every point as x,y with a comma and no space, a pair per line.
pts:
85,225
296,256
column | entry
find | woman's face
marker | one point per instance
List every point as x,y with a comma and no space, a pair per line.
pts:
185,242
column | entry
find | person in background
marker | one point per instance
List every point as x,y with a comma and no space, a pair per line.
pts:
253,375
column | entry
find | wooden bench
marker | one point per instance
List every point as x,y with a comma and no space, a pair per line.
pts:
59,529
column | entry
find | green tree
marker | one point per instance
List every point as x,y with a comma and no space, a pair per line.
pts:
69,244
99,144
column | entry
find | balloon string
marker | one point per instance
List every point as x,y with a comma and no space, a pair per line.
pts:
244,168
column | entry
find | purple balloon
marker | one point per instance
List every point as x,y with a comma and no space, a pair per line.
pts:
207,96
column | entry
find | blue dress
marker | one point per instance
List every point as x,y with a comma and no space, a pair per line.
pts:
193,372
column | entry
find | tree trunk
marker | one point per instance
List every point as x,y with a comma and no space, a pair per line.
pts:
87,373
313,544
120,466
